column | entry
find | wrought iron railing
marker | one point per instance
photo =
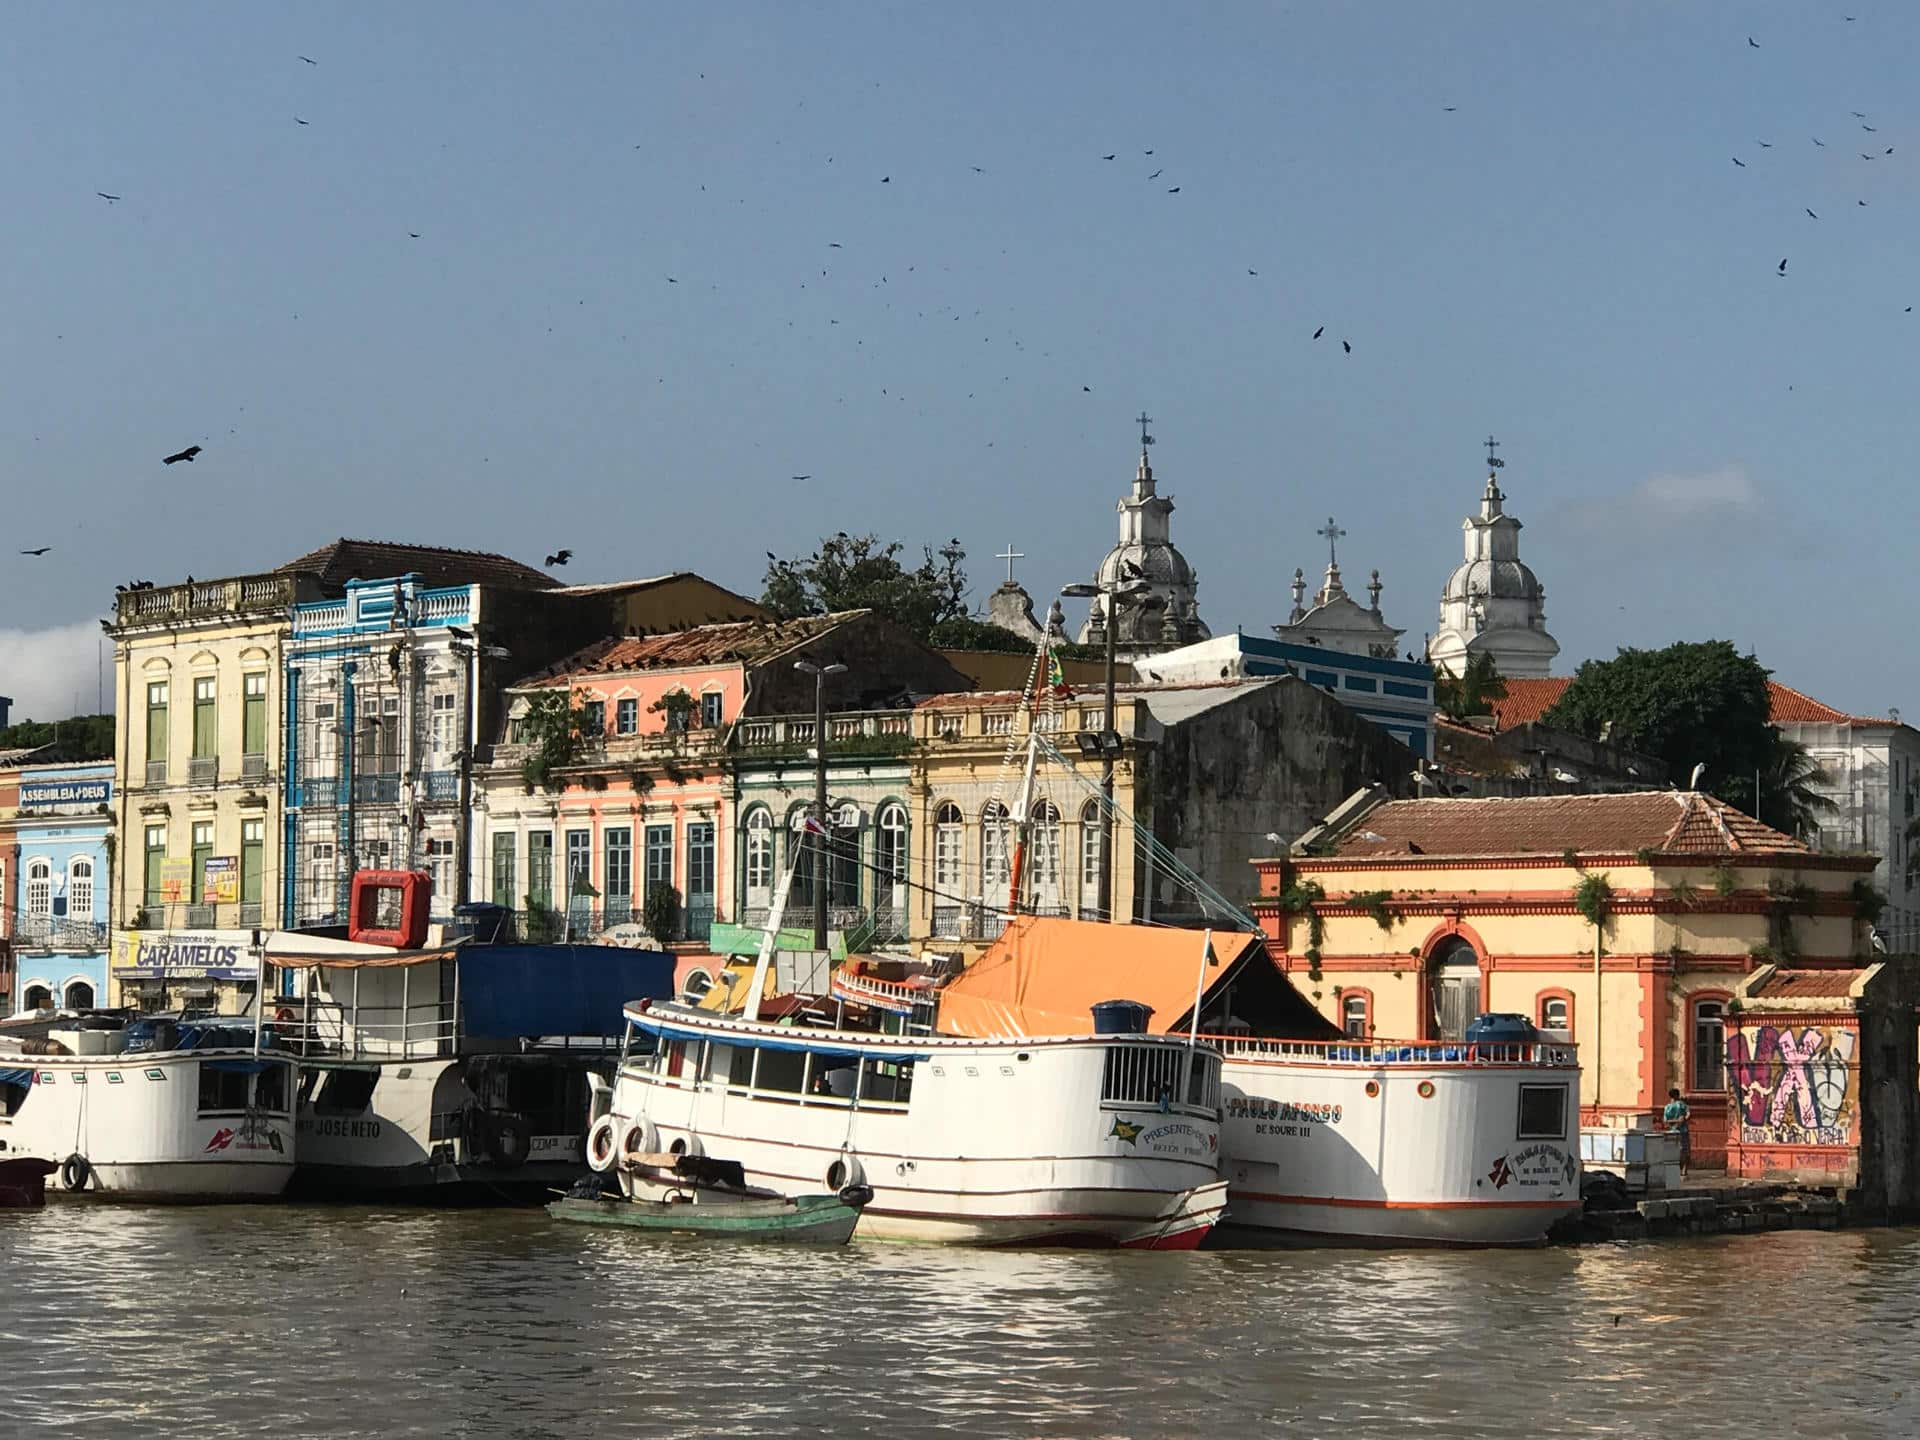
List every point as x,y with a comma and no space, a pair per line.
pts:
30,931
203,769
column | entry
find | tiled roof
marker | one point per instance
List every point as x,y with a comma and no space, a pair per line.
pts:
748,642
1788,705
989,699
1527,700
1807,985
1669,820
339,561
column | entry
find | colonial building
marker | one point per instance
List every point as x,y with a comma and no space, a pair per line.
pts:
642,798
1396,695
1624,921
56,864
1163,614
1492,603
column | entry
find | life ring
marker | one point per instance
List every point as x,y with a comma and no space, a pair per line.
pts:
845,1171
75,1173
284,1015
856,1196
600,1151
637,1139
687,1144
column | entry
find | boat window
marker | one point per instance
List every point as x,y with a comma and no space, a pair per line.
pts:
782,1072
740,1065
886,1080
1141,1075
345,1092
222,1089
270,1089
1203,1082
1543,1112
14,1091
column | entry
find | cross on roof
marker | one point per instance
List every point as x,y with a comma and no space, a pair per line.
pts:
1333,535
1143,420
1010,555
1492,462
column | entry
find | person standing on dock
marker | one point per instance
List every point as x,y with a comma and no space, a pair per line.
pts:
1677,1113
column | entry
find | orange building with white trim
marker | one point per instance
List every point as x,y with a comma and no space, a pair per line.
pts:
1423,913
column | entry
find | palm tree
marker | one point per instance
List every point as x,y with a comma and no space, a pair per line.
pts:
1793,785
1478,684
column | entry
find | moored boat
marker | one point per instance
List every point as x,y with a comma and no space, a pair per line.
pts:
707,1198
133,1107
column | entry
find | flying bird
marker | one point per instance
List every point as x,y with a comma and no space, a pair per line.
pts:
559,557
1818,141
977,169
186,455
886,179
106,197
1347,345
1810,214
835,245
1086,389
1738,161
1783,267
1174,191
1764,144
672,281
1253,272
413,234
41,551
310,62
1157,174
797,477
1449,108
298,121
1865,156
1321,331
1858,114
1869,129
1888,150
1753,42
1114,156
1859,202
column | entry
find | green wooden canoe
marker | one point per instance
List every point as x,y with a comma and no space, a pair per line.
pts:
799,1220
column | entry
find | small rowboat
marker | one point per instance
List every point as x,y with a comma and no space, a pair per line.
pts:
791,1220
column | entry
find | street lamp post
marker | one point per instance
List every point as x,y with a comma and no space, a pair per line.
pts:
1109,741
820,674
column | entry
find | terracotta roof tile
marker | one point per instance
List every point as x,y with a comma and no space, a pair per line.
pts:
1788,705
1671,820
747,642
1527,700
339,561
1807,985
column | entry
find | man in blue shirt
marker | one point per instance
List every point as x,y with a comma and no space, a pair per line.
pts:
1676,1115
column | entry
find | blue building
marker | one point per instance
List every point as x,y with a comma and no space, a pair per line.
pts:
56,857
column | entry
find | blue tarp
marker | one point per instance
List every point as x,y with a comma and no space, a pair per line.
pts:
512,990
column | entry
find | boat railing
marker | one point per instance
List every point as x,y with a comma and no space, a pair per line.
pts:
321,1029
900,995
1374,1054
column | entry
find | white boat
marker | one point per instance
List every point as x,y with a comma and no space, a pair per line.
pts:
1323,1138
454,1072
1103,1140
148,1108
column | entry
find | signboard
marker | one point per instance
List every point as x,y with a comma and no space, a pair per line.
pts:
222,880
176,876
185,955
35,794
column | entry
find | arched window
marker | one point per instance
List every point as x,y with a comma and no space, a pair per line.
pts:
1356,1013
1453,989
79,995
1045,868
760,858
995,862
802,849
949,852
39,889
38,997
843,855
80,891
890,860
1093,851
1709,1071
1555,1011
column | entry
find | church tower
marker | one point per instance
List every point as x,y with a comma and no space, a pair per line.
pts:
1162,613
1492,604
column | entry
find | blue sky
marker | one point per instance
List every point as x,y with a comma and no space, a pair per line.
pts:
1698,446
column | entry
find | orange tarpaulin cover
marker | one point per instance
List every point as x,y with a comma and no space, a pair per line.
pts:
1043,976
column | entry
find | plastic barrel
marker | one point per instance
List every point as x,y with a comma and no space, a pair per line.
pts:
1121,1017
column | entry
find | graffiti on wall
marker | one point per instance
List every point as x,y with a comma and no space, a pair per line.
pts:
1793,1085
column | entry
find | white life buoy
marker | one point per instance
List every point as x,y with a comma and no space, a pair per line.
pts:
845,1170
688,1144
600,1151
637,1138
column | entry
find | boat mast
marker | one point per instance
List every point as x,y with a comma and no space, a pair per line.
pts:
771,938
1022,807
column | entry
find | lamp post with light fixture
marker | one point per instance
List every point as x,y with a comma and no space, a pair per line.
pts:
820,674
1107,743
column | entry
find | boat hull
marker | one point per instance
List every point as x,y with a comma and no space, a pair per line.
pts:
800,1220
1397,1145
23,1183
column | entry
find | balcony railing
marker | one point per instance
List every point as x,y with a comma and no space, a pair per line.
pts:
253,767
213,599
203,769
874,729
579,923
52,933
156,772
382,789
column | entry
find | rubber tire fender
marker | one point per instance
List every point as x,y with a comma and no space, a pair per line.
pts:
75,1173
603,1136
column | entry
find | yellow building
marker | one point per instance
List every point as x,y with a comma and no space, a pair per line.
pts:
969,758
1624,921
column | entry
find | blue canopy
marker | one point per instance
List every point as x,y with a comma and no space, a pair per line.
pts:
514,990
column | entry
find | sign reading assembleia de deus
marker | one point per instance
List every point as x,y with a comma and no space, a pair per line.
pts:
65,792
185,955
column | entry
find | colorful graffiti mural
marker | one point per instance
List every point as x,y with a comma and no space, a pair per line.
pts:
1793,1084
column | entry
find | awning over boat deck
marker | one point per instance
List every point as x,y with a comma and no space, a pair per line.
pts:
1043,976
305,952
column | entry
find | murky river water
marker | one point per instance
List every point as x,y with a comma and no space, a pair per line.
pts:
344,1322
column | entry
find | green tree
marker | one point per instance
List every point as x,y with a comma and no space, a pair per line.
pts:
857,572
1791,789
83,737
1469,695
1690,704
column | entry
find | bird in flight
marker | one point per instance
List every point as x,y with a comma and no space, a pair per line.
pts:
1865,156
309,61
1110,157
886,179
672,281
1764,144
106,197
1174,191
1738,161
41,551
835,245
413,234
559,557
298,121
1811,215
1869,129
1783,267
978,170
1157,174
1321,331
1753,42
1449,108
186,455
1888,150
1253,272
797,477
1347,345
1086,389
1818,141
